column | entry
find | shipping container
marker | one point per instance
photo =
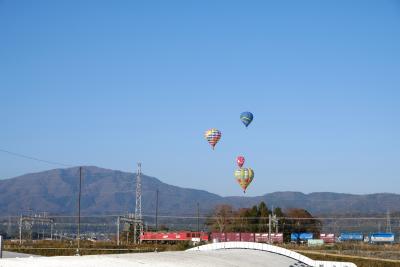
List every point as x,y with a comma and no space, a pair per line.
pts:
277,238
302,237
381,238
351,237
328,238
263,238
315,242
232,237
247,237
218,237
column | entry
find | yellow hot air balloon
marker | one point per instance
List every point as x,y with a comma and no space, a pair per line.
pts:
244,177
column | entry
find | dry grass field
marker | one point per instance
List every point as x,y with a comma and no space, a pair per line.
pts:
364,255
391,252
68,248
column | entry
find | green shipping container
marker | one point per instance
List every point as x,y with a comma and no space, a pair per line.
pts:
315,242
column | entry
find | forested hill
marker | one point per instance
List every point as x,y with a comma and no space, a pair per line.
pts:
112,192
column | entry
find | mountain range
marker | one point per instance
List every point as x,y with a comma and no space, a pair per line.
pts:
107,191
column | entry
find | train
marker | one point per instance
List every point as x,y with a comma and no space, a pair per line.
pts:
276,238
175,237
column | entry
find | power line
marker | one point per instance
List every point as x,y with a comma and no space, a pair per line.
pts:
34,158
203,216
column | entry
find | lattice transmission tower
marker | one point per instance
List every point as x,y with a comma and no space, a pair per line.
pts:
138,228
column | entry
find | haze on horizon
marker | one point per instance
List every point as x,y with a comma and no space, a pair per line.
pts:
112,83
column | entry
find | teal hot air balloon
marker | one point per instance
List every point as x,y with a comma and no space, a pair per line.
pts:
246,118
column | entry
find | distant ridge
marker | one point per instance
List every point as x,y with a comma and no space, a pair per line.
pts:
112,192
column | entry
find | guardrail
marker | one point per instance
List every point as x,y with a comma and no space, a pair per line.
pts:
272,249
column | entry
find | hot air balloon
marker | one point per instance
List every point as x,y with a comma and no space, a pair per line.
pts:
212,136
240,161
246,118
244,177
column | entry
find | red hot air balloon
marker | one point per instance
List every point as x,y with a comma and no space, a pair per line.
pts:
240,161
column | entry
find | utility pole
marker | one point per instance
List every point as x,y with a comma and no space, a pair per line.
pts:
9,226
79,212
275,221
118,223
388,224
20,230
198,218
157,210
269,228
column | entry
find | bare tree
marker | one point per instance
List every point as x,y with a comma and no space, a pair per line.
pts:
222,217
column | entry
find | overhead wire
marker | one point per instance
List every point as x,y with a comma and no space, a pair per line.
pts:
35,158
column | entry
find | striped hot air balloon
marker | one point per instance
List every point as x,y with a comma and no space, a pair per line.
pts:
212,136
244,177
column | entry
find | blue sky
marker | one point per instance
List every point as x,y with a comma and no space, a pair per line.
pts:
110,83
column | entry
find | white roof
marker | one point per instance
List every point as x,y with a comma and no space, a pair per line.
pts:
216,258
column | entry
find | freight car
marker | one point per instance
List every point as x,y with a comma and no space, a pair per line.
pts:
345,237
247,237
173,237
328,238
381,238
301,237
